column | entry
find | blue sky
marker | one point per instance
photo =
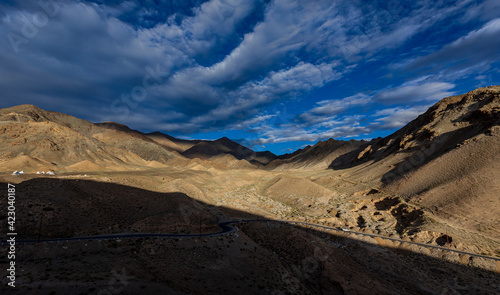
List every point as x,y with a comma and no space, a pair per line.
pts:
274,75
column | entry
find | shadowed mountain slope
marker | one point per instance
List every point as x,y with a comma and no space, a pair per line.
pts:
207,149
450,122
177,144
318,156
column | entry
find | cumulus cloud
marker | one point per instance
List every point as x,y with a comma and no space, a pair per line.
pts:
83,53
333,117
224,105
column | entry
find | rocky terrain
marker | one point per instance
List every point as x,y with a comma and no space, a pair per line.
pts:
445,162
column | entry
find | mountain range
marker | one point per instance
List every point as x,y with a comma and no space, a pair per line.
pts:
35,139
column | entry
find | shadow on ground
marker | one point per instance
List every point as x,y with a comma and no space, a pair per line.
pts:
261,258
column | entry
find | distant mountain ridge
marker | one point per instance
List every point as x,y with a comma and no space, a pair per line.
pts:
201,149
35,139
318,156
208,149
178,144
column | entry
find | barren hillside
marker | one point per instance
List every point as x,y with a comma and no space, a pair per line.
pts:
34,139
446,161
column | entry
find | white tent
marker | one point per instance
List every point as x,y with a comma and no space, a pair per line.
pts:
22,172
15,173
51,173
38,172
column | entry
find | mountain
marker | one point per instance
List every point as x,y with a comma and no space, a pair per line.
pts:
444,127
201,149
168,142
34,139
318,156
173,143
446,161
208,149
38,140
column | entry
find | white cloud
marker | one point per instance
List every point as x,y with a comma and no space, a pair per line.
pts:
415,91
334,118
329,108
485,10
471,53
213,21
247,99
296,133
394,118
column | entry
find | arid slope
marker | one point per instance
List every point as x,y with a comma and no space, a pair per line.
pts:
446,161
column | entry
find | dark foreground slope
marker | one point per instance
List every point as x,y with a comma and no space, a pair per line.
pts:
261,258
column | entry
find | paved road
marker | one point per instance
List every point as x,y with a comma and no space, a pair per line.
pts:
226,228
392,239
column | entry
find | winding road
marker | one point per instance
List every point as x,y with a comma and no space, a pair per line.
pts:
226,228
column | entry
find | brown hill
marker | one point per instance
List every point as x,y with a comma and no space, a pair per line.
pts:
295,191
442,128
34,139
446,161
85,165
63,140
230,161
169,142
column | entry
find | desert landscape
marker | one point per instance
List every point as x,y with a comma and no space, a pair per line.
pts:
433,182
253,147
